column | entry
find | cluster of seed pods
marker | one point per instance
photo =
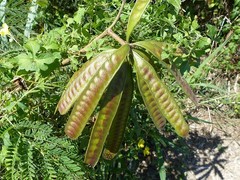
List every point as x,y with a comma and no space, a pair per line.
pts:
116,133
107,79
157,97
88,88
108,109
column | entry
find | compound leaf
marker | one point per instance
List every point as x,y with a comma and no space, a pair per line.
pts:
176,4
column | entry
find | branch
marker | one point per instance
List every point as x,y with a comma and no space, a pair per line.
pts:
118,15
116,37
100,36
108,31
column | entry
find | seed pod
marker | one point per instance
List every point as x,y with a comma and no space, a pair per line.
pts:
79,81
108,110
115,136
151,104
156,48
148,99
93,91
135,15
161,95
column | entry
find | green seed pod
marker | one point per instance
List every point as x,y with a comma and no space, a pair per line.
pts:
79,81
161,95
143,54
135,15
156,48
108,109
93,91
115,136
151,104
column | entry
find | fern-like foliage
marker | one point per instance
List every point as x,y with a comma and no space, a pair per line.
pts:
29,150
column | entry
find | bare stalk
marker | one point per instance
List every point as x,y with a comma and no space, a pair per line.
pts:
116,37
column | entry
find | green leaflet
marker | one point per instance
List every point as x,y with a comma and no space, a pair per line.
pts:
162,96
108,110
79,81
135,16
176,4
92,92
115,136
156,48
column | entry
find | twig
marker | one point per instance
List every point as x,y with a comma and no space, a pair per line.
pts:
235,87
118,15
108,31
210,119
116,37
100,36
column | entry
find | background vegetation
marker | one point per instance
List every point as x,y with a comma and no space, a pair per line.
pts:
34,72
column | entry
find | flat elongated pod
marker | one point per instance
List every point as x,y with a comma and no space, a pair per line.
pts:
115,136
151,104
162,96
108,109
79,81
156,48
135,16
143,54
92,92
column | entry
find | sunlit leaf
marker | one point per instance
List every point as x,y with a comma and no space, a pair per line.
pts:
32,46
176,4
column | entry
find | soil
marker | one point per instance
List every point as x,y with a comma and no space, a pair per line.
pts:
211,152
215,148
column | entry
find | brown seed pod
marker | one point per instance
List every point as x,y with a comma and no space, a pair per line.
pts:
115,136
108,109
161,95
79,81
93,91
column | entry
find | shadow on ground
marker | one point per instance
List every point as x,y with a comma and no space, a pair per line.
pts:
205,155
200,154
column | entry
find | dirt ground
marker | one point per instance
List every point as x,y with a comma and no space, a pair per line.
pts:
211,152
215,148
